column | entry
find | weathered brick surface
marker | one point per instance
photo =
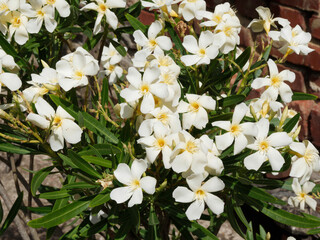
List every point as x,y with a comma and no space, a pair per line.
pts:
246,37
314,84
211,4
295,17
304,108
292,58
314,125
247,8
146,17
298,85
309,5
312,60
314,24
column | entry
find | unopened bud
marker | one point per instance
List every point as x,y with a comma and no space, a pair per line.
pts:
268,236
44,64
173,14
283,116
253,113
296,133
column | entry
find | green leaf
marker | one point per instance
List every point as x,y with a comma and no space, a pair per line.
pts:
314,231
175,38
291,123
54,195
153,219
12,213
61,215
100,199
98,161
231,100
266,53
249,234
232,218
136,24
1,212
10,148
96,228
303,96
82,164
89,121
102,149
38,179
40,210
244,57
105,92
119,48
79,185
67,160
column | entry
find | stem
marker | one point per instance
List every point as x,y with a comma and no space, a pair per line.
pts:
31,165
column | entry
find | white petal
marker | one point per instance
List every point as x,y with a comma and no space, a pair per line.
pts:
123,174
148,184
273,69
205,39
63,8
38,120
214,184
154,29
254,161
298,168
201,119
195,210
44,108
225,140
298,147
308,186
240,143
215,204
71,131
10,80
239,112
182,162
263,128
56,140
152,153
134,77
121,194
183,194
249,128
188,119
275,158
279,139
260,82
194,181
130,94
164,42
225,125
311,202
212,51
190,44
140,38
190,60
285,93
147,104
21,35
136,198
160,90
112,19
207,102
138,167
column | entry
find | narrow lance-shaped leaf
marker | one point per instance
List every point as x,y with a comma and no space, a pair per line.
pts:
38,179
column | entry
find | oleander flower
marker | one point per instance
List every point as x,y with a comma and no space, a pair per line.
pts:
203,51
266,147
133,182
190,9
199,195
10,80
62,7
275,83
302,198
266,20
236,132
152,42
18,27
194,113
216,17
60,122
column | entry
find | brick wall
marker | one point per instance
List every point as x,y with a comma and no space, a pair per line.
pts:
306,13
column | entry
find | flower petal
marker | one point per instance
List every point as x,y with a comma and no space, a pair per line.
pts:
121,194
136,198
148,184
215,204
254,161
275,158
183,194
214,184
123,174
195,210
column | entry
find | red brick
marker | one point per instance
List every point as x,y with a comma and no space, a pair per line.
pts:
211,4
314,83
312,60
292,58
146,17
309,5
248,8
314,23
298,85
304,108
314,125
294,16
245,37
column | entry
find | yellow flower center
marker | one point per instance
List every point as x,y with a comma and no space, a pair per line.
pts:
135,184
144,89
200,194
275,81
4,7
191,147
51,2
111,68
302,195
227,31
160,143
164,61
78,74
57,121
102,7
152,43
263,145
16,22
202,52
192,1
235,129
40,13
163,117
216,18
194,107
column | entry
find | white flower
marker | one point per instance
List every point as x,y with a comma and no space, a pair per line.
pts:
266,148
10,80
236,131
40,13
103,8
227,33
62,6
32,93
194,113
145,88
156,143
133,182
202,52
189,9
161,120
302,196
199,195
110,54
188,154
74,74
305,161
215,164
216,17
275,83
265,20
113,71
263,105
18,27
48,78
95,218
8,62
62,124
292,40
152,42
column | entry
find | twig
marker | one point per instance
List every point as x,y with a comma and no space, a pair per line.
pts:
21,228
14,172
31,164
